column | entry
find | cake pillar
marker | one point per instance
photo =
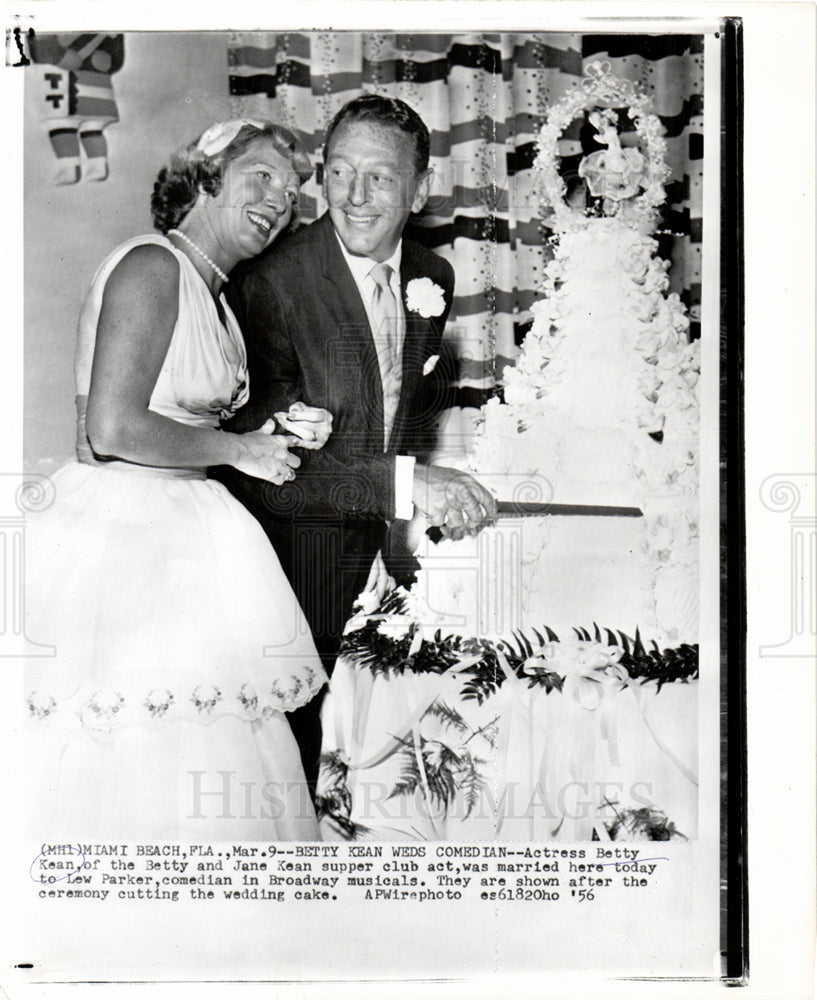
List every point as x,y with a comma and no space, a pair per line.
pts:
796,493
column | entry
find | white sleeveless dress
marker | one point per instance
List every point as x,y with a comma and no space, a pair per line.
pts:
179,642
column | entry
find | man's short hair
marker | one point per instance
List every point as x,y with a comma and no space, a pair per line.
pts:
389,111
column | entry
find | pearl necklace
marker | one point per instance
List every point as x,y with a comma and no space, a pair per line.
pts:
200,252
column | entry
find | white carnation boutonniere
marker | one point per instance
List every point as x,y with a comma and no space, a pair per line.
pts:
425,297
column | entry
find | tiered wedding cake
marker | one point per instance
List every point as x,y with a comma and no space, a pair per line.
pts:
600,417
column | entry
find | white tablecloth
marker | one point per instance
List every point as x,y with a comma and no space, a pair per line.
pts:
408,756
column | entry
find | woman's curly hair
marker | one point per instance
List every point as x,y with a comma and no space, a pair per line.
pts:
190,172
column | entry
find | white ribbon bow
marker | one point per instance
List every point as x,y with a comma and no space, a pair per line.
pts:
219,136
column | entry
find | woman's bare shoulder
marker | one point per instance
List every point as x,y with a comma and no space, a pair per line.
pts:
142,291
147,262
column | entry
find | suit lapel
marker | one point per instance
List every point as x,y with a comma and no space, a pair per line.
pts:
414,348
345,301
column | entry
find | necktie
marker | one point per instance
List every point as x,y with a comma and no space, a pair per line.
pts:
387,317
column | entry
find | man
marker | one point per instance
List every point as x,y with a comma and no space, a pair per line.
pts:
348,316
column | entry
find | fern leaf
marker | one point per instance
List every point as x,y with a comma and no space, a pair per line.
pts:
524,644
449,715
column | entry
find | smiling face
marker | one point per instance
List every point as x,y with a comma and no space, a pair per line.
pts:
371,186
259,192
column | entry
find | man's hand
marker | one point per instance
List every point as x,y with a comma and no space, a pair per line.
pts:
312,424
452,500
379,582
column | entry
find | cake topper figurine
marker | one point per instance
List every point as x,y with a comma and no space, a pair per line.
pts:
615,173
629,179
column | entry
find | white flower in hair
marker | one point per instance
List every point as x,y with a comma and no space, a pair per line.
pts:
219,136
423,296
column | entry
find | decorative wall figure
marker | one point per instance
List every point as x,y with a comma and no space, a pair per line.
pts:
75,96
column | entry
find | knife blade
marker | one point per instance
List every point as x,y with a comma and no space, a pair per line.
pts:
518,508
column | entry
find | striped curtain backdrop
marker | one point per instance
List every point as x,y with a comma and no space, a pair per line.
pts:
484,98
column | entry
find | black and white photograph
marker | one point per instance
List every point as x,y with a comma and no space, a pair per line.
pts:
375,565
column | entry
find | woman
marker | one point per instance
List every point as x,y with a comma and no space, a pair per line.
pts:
180,644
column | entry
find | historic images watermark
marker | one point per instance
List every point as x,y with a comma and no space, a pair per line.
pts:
795,494
20,495
224,795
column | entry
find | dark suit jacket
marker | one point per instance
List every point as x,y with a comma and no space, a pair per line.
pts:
308,338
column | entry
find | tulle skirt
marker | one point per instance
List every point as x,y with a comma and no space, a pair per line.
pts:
179,648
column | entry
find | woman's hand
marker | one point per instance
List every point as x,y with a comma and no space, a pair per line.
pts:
267,456
311,424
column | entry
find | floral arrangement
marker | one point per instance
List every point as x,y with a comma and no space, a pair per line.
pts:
390,640
645,823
